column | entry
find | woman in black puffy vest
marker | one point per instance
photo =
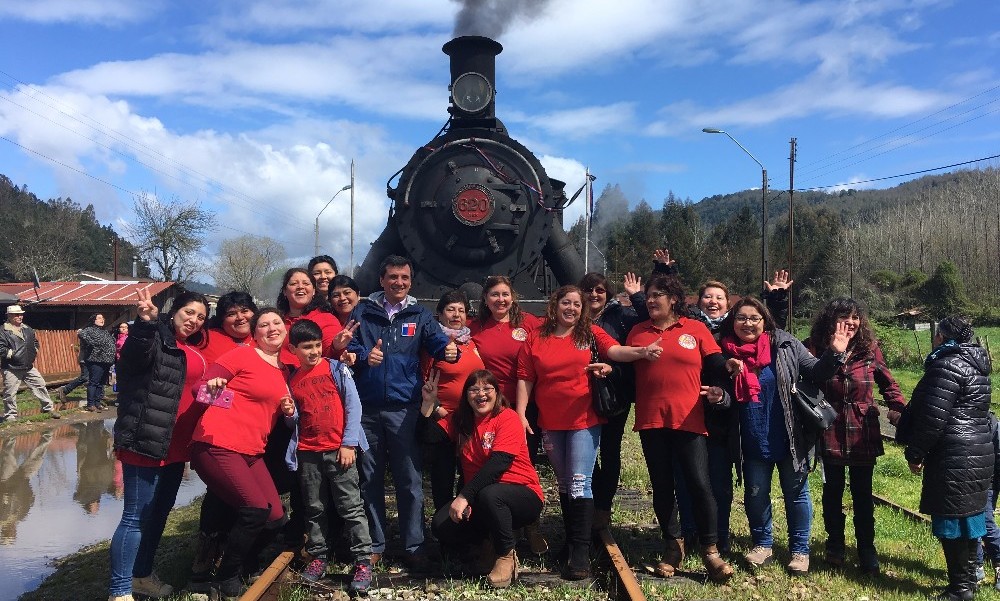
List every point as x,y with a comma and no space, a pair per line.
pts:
949,441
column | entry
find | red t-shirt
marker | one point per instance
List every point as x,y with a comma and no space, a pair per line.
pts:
220,343
326,321
321,410
562,386
258,388
453,375
499,345
668,389
188,413
503,433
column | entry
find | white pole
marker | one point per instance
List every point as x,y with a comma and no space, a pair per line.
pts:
351,266
586,232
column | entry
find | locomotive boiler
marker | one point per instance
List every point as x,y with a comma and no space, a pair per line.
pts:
473,202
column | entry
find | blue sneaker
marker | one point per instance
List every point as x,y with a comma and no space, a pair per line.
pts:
362,578
315,570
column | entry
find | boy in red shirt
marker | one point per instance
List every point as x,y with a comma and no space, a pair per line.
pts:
325,446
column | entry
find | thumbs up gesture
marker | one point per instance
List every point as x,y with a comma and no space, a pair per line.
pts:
451,351
375,355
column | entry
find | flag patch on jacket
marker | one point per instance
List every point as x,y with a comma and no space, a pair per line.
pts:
410,329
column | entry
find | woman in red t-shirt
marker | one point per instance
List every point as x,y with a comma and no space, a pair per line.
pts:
439,457
670,410
297,299
160,364
228,444
499,333
501,490
555,364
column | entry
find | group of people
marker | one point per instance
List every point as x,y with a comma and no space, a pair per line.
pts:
321,394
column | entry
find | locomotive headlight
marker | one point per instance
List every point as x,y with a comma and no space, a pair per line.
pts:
471,92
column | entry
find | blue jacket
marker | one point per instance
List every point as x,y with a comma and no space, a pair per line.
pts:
398,379
354,434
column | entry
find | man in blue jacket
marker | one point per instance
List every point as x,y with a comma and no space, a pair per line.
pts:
392,330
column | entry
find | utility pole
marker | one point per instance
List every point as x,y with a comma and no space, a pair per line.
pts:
586,224
352,219
791,226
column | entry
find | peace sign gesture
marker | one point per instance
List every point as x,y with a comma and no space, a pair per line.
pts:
147,310
343,338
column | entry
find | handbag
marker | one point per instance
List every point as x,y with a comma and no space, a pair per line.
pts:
607,403
815,411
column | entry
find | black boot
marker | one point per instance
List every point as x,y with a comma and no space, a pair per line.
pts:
961,571
240,543
563,553
834,522
206,558
581,519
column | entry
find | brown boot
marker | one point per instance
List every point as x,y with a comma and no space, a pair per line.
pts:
486,558
536,542
602,519
718,570
504,570
672,558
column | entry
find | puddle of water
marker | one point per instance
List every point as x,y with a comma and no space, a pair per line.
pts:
60,490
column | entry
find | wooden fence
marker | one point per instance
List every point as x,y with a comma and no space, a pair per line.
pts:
58,354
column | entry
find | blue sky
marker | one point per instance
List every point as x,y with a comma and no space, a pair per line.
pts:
256,108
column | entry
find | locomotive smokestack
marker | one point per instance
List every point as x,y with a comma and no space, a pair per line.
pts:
473,78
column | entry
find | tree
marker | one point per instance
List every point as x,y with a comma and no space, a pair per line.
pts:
944,293
244,262
170,235
682,233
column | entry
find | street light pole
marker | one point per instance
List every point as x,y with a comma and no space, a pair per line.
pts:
763,201
316,227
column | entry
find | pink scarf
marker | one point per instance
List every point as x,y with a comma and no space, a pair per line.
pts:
755,356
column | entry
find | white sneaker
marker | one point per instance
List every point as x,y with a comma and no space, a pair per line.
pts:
151,586
121,598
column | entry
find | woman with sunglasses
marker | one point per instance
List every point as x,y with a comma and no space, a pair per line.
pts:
617,320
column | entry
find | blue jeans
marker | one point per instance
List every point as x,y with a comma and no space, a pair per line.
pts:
392,436
757,497
720,475
97,373
150,493
573,454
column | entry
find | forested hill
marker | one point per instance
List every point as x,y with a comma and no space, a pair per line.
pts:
848,204
58,237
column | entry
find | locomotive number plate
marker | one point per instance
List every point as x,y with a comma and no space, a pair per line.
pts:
473,205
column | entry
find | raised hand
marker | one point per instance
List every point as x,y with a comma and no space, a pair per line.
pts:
632,284
781,281
147,310
713,394
343,338
662,255
654,350
375,355
601,370
839,339
429,391
451,351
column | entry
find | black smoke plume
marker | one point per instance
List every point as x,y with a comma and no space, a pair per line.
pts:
491,18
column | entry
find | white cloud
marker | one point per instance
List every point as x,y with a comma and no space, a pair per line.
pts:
101,12
582,122
358,16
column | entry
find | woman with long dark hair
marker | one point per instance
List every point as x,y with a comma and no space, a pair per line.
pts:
161,363
950,442
323,269
501,490
769,362
98,359
854,441
298,299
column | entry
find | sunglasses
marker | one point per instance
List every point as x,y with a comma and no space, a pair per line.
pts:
597,289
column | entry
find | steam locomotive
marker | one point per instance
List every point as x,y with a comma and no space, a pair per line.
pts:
474,202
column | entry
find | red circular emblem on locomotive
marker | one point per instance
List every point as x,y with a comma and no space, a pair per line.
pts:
473,205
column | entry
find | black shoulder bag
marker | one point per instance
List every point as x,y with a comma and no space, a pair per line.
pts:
607,403
816,412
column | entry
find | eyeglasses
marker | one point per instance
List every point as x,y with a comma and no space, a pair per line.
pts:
596,289
484,390
752,319
657,294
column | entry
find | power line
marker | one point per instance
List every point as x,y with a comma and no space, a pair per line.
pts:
879,179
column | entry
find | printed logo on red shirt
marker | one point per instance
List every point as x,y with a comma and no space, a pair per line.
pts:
488,438
410,329
519,334
687,341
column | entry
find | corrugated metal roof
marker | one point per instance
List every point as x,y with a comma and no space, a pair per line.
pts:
82,293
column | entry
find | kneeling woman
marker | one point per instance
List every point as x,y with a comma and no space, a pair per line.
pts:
501,491
228,445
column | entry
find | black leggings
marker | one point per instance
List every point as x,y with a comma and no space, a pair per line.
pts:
834,519
497,510
608,470
661,447
441,462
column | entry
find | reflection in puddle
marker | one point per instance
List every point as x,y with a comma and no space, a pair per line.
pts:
60,489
